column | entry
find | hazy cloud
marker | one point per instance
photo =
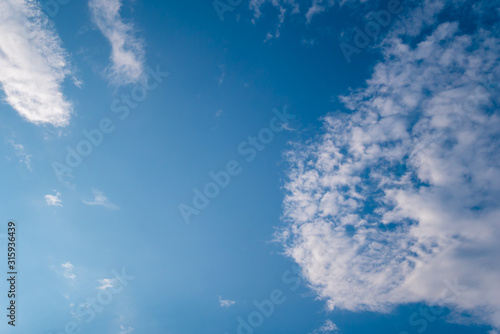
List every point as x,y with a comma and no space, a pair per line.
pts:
21,153
68,270
226,302
101,200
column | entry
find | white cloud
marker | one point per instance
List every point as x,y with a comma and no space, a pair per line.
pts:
226,302
127,50
68,270
33,64
106,283
21,154
327,328
53,200
400,197
101,200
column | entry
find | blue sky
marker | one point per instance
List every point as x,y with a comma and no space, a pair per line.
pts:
354,143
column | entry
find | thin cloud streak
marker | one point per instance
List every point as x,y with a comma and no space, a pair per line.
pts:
127,50
101,200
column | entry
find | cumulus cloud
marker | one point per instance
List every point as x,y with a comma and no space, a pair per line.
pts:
101,200
226,302
33,64
127,50
53,200
400,197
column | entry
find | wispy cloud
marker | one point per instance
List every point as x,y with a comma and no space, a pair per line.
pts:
400,195
127,50
68,270
127,330
21,153
283,7
124,329
288,7
53,200
106,283
327,328
222,75
33,64
318,6
226,302
101,200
